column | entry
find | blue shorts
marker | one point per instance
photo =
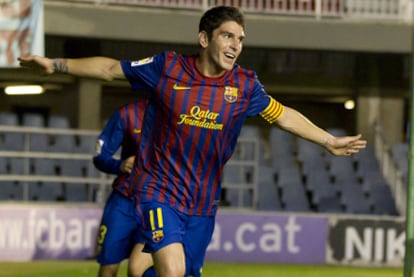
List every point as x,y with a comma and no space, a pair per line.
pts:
164,225
119,230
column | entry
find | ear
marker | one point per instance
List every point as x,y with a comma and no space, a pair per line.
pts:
203,39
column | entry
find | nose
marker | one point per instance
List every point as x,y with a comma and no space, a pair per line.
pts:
235,44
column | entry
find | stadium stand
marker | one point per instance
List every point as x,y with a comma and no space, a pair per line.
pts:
301,176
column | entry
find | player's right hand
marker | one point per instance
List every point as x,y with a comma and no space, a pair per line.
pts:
41,65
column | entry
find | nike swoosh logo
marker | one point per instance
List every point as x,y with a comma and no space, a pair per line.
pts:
137,131
177,87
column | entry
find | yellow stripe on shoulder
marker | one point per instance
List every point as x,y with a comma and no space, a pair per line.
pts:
273,111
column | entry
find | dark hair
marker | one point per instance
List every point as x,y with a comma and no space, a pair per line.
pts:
214,17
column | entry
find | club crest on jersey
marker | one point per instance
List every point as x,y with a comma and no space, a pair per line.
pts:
230,94
157,235
142,61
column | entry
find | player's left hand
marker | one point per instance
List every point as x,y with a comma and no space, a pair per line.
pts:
345,146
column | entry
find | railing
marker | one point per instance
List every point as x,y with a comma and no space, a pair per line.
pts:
398,10
390,170
246,160
98,181
245,165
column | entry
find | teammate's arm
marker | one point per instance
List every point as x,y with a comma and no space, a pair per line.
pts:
93,67
109,141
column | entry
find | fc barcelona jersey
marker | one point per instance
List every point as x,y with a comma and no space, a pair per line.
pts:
191,127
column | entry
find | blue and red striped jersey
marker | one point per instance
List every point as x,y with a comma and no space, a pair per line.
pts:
191,128
122,131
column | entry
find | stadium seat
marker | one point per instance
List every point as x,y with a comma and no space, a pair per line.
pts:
294,198
382,200
42,166
57,121
329,204
33,120
307,150
315,178
39,142
48,191
4,165
324,189
10,190
63,143
288,175
76,192
281,143
11,141
353,198
268,195
71,168
87,144
9,119
19,166
313,164
341,166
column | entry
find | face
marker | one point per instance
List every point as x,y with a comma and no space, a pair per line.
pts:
224,47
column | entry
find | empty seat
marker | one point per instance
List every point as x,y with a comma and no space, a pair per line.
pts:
57,121
39,142
353,197
4,165
11,141
307,150
323,190
281,142
329,204
234,174
341,166
294,198
313,164
10,190
33,120
19,166
382,200
46,191
76,192
316,178
87,144
9,119
268,194
71,168
241,198
63,143
289,175
44,166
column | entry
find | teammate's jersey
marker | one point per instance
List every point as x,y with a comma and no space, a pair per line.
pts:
191,128
123,129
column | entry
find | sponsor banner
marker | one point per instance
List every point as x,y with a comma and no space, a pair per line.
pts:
33,232
366,241
269,238
21,30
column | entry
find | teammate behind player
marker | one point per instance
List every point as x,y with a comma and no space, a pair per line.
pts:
119,234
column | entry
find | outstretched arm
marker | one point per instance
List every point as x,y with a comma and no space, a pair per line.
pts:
94,67
296,123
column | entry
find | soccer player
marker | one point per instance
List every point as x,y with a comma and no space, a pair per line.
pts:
197,109
119,234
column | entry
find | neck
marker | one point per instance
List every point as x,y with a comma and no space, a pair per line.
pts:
207,68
